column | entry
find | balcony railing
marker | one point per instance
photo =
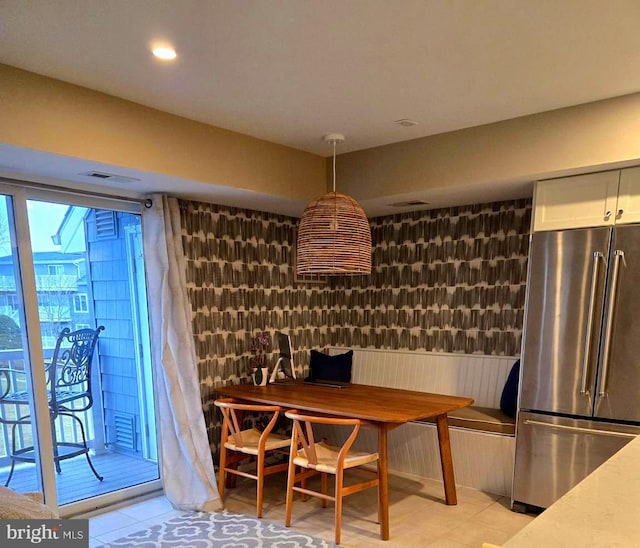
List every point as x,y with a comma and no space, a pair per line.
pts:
54,314
44,282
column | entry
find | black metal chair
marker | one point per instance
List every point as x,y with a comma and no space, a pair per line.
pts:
69,393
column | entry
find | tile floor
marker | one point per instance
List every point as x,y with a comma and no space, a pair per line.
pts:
418,515
114,524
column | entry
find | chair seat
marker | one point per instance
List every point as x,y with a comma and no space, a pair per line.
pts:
16,397
62,396
66,395
328,458
250,439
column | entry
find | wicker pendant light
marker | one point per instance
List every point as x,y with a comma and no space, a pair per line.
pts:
334,237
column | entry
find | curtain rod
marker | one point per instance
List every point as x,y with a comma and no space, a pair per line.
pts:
146,202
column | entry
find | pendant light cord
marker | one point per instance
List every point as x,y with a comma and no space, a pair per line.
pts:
334,166
335,201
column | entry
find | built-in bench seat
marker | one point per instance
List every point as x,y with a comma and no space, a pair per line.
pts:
483,419
482,437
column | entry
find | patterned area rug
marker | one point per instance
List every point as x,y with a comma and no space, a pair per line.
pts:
219,530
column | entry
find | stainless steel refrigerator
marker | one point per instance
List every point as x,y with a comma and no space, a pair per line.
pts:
580,380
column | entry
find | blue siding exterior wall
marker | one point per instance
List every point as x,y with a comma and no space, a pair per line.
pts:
112,300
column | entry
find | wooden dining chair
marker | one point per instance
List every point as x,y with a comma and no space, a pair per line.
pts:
321,458
237,445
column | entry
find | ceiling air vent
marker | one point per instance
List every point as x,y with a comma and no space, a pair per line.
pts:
410,203
109,177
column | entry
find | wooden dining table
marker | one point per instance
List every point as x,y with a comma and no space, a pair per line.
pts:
385,408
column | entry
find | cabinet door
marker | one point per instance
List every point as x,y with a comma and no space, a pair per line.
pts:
575,202
628,209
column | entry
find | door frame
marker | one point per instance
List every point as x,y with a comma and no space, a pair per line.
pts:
26,285
141,336
18,226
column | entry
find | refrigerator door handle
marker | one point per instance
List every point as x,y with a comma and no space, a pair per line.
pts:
618,254
589,329
580,429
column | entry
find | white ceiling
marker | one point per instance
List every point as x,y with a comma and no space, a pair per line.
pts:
290,71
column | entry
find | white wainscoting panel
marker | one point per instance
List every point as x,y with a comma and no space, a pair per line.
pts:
480,460
478,376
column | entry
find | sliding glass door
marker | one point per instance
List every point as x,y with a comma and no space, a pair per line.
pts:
83,274
20,454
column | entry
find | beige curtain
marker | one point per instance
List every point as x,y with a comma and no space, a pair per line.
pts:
187,466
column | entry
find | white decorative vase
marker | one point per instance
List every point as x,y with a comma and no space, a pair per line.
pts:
260,376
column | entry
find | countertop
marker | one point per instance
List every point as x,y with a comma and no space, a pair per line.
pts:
602,510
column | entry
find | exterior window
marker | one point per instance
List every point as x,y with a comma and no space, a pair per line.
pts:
82,326
80,303
55,270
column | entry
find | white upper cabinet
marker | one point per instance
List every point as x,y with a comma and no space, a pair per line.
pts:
628,208
580,201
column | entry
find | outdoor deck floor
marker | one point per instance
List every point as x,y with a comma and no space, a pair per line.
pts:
77,482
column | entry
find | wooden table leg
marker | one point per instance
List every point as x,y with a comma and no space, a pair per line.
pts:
383,487
446,460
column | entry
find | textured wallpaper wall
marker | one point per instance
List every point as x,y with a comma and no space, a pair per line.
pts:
240,280
448,280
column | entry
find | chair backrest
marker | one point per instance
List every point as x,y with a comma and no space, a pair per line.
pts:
70,369
302,435
232,423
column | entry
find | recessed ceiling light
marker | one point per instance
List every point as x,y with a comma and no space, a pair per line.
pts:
164,52
406,122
